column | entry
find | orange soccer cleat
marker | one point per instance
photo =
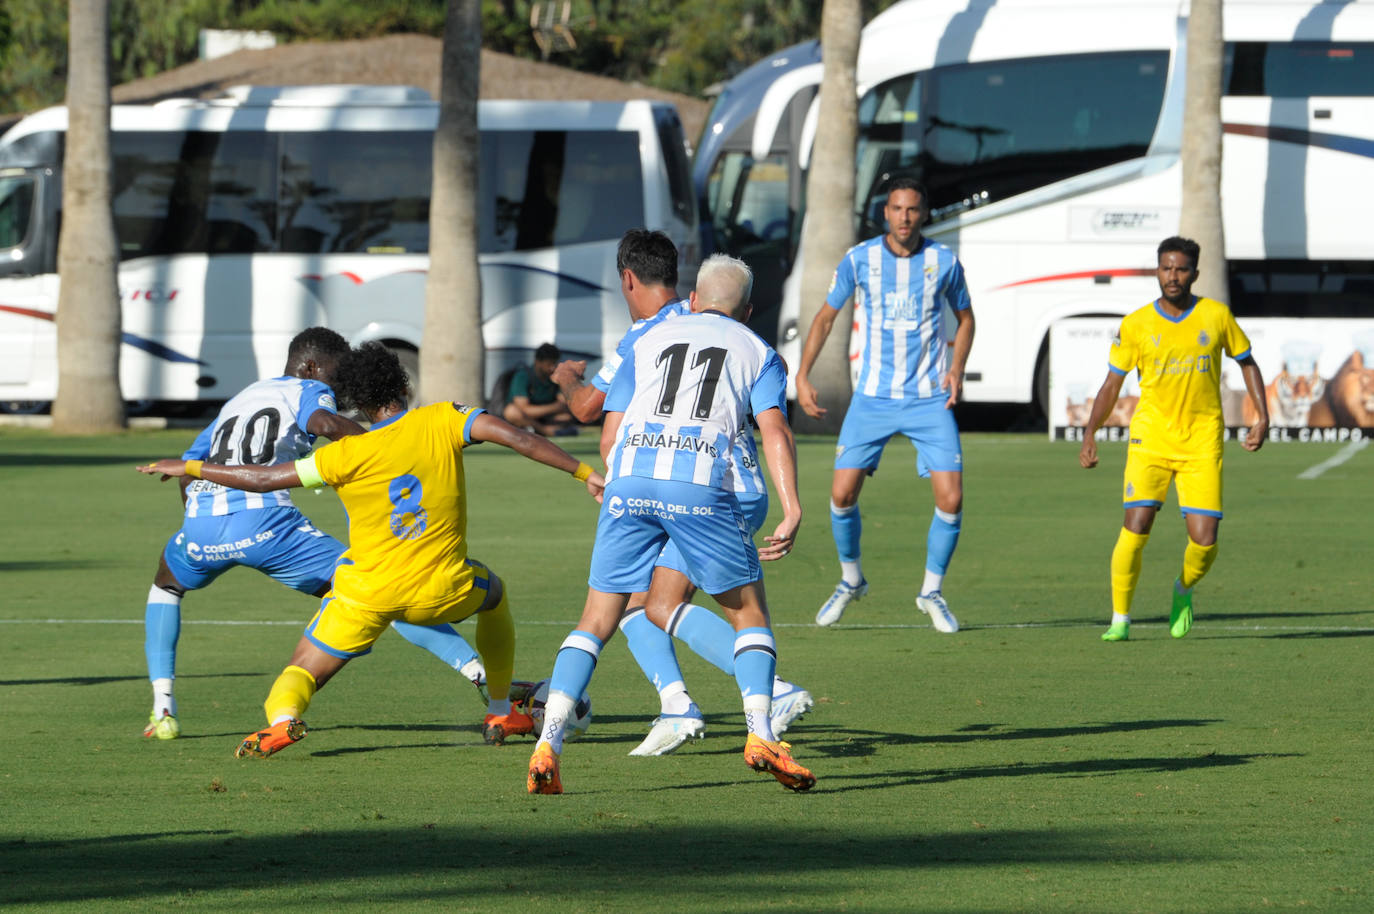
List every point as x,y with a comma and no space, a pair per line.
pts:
495,728
543,776
776,759
274,738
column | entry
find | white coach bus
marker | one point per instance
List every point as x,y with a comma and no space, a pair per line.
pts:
243,220
1048,132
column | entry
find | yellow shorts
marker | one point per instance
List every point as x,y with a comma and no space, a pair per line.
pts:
345,629
1196,479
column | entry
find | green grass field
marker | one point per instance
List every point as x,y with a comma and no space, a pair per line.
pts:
1020,765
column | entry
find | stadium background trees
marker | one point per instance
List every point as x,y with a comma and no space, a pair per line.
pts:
88,311
1200,149
829,230
678,45
452,361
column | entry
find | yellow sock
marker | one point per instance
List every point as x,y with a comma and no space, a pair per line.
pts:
1197,561
496,644
290,694
1126,569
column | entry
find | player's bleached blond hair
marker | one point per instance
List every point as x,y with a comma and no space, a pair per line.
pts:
725,284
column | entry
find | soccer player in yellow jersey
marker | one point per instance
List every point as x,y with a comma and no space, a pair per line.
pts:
402,485
1176,343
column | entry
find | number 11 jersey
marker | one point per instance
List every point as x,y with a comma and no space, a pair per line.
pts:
685,391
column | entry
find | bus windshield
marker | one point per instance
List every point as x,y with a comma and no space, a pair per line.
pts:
16,209
982,132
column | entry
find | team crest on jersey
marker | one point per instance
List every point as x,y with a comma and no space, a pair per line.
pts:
839,450
930,269
1130,489
327,401
1203,339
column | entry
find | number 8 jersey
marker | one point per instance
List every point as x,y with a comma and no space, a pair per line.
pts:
685,391
263,424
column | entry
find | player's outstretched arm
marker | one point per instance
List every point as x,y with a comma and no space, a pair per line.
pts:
1254,385
808,398
780,453
331,425
486,427
248,478
1102,407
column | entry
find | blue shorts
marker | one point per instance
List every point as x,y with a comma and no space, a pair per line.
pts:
871,421
280,542
755,508
640,516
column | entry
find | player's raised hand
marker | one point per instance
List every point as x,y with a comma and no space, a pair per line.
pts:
1087,454
167,468
569,372
808,399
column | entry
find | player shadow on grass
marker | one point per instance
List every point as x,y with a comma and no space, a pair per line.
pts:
102,680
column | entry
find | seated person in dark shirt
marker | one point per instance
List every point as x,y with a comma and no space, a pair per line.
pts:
534,401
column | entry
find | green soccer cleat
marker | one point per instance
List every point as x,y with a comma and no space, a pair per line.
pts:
1119,632
1181,613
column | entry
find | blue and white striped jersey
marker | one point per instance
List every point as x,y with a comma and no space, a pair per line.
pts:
685,389
900,302
263,424
748,475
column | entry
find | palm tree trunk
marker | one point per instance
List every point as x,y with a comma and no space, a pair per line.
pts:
1200,218
453,356
88,398
829,229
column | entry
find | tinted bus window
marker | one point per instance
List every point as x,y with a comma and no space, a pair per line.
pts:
983,132
193,193
674,147
1299,69
545,188
352,192
16,210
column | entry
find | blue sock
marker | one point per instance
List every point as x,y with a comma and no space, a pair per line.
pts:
756,658
652,649
161,629
440,640
576,662
943,537
846,526
708,635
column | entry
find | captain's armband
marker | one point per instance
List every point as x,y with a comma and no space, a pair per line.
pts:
308,473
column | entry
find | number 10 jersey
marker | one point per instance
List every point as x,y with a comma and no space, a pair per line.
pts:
265,424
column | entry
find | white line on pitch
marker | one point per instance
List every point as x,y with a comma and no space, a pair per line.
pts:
1341,456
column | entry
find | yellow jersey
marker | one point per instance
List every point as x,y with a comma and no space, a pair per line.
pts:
1179,413
403,488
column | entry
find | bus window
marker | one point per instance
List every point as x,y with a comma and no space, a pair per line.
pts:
192,193
1299,69
355,192
547,188
16,209
990,131
674,146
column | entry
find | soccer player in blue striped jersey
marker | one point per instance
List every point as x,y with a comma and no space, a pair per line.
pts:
909,381
676,406
269,422
647,262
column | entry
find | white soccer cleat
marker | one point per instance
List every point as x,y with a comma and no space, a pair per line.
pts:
934,605
789,707
671,731
844,594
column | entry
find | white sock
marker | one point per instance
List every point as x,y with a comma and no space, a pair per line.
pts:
756,711
163,700
474,671
1120,618
498,707
558,710
673,699
932,582
852,573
